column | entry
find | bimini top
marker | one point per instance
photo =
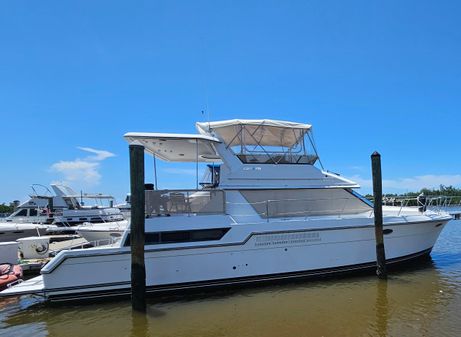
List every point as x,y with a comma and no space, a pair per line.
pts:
263,132
177,147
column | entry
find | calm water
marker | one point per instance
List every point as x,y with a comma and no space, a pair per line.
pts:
422,301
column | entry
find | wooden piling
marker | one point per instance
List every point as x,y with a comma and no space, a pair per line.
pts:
378,210
137,233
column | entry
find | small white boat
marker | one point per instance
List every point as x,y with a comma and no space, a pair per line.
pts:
103,233
268,213
11,231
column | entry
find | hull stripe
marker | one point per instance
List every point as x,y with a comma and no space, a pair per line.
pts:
149,250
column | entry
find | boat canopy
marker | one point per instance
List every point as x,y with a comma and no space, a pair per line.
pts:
264,141
177,147
261,132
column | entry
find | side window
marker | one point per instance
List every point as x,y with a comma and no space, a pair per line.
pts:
208,234
33,212
22,212
182,236
177,236
152,238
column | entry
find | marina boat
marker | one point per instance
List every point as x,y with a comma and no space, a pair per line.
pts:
103,233
12,231
125,207
64,208
266,213
46,212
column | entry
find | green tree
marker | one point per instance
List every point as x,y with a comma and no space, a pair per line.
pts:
6,209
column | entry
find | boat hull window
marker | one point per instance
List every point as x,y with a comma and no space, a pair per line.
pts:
304,202
155,238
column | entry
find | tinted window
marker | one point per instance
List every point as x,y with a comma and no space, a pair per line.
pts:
22,212
177,236
209,234
182,236
33,212
152,238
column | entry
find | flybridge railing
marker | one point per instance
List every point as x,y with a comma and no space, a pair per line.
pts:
203,202
428,200
276,158
169,202
434,203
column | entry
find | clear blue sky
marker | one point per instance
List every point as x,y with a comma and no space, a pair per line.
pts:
369,75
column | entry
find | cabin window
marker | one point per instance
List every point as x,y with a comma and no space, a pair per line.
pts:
72,203
197,235
151,238
209,234
22,212
177,236
304,202
33,212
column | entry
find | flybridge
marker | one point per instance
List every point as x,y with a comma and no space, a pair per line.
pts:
265,141
248,154
252,141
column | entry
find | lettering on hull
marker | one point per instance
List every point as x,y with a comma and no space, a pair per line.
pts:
287,239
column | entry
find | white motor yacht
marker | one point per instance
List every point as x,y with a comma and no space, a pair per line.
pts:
267,213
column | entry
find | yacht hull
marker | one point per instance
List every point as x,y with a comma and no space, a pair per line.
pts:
125,291
260,257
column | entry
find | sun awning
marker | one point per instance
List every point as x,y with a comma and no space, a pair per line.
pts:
264,132
177,147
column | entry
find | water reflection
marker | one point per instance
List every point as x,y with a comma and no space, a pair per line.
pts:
419,300
353,307
381,308
139,324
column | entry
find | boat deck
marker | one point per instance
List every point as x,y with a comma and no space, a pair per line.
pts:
32,286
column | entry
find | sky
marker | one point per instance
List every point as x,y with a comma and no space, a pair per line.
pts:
368,75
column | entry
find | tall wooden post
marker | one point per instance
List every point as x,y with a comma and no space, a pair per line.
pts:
137,234
378,209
